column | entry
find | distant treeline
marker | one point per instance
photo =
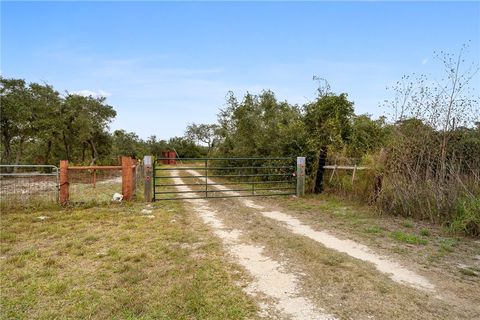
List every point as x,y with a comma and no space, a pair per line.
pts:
41,126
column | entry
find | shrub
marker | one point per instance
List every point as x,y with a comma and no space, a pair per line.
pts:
467,216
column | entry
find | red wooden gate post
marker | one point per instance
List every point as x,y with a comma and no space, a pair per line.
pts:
64,194
127,178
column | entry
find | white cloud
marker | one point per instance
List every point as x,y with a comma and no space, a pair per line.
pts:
97,94
424,61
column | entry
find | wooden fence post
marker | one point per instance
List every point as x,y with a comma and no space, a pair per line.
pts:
127,178
64,194
147,173
300,176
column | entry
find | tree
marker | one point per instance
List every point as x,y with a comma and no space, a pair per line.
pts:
127,144
84,120
186,148
155,147
259,125
443,104
328,122
46,104
16,117
367,135
203,133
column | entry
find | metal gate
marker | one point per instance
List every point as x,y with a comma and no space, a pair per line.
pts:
200,178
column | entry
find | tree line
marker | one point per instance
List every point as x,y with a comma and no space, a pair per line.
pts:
41,126
423,161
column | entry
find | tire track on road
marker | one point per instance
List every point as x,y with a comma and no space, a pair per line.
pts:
394,270
270,279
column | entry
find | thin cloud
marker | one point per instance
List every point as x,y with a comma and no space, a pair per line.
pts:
424,61
94,94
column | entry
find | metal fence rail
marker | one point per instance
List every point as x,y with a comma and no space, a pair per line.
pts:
24,183
247,177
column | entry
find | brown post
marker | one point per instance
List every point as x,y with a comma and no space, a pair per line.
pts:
127,178
64,182
94,178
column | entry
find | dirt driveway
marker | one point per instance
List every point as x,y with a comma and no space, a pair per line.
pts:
301,268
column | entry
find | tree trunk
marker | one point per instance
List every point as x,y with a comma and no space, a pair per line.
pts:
65,143
94,151
83,152
7,151
19,153
49,151
322,159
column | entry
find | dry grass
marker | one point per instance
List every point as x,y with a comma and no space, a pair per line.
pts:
421,246
114,262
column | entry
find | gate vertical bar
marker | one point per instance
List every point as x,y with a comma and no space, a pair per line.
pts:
58,183
153,178
300,176
206,178
253,182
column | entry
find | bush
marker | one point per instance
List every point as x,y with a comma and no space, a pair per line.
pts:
467,216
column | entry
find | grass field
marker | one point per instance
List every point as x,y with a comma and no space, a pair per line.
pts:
102,260
116,262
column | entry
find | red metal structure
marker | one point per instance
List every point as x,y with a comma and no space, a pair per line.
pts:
171,157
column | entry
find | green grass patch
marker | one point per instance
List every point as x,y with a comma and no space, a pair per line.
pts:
407,224
374,230
467,216
425,232
447,244
407,238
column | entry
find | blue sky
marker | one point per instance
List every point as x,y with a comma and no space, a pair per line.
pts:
164,65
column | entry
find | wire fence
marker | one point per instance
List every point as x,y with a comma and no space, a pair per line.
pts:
96,185
27,184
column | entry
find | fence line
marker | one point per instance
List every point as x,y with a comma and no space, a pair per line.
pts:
23,183
127,179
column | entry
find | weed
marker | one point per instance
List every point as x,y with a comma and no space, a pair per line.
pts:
448,244
425,232
332,260
468,272
407,238
467,216
50,262
374,230
407,224
399,250
56,287
90,239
